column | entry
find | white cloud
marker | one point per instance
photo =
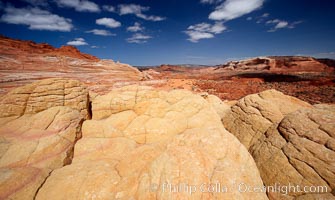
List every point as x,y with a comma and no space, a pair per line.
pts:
108,22
265,15
207,1
217,28
293,24
210,1
135,28
77,42
262,18
94,47
249,18
137,10
79,5
281,24
138,38
274,21
125,9
231,9
204,31
100,32
108,8
196,36
36,19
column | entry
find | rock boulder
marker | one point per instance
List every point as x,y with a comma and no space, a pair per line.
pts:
39,125
300,150
144,144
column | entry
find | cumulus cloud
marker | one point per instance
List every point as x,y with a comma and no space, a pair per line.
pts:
137,10
77,42
125,9
231,9
204,31
100,32
138,38
79,5
108,22
36,19
108,8
281,24
135,28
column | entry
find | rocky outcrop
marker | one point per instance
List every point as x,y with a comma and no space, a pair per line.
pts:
278,64
291,141
39,125
300,150
252,115
144,144
23,62
44,94
141,143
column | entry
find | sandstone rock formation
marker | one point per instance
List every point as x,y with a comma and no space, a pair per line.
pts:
300,150
44,94
39,125
23,62
252,115
141,140
278,63
291,141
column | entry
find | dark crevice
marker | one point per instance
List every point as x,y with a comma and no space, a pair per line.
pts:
69,154
38,189
89,108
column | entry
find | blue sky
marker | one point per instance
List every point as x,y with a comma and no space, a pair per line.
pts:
154,32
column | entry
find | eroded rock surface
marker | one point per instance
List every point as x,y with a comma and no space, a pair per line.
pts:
44,94
291,141
300,150
252,115
139,140
39,124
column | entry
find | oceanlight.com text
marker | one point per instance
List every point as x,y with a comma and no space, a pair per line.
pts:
167,187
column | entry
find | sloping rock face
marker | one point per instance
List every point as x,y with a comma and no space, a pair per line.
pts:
148,144
300,150
252,115
291,141
23,62
39,124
